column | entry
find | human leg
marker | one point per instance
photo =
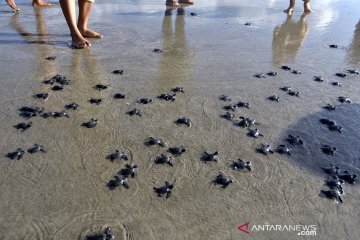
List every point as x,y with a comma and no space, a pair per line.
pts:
12,4
307,8
290,9
84,14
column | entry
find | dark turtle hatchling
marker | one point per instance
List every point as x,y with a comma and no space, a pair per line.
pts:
119,96
228,115
247,24
294,140
347,177
19,153
73,106
36,110
336,84
230,107
23,126
282,149
332,194
335,183
330,107
293,93
163,159
344,99
177,151
49,81
96,101
260,75
286,68
167,97
91,124
178,89
36,148
265,149
157,50
129,170
329,150
43,96
353,71
48,114
254,133
225,98
335,128
57,88
241,164
107,235
51,58
155,141
272,74
167,189
118,181
243,104
342,75
332,170
134,111
274,98
222,180
286,89
61,114
327,121
333,46
185,121
101,87
295,72
144,100
210,157
318,79
117,155
118,72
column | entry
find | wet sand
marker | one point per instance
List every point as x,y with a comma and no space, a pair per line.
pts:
62,194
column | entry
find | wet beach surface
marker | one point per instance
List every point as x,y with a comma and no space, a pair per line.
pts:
62,194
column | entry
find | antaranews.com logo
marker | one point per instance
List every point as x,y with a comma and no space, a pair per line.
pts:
299,229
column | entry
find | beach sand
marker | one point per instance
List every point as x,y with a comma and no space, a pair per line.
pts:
62,194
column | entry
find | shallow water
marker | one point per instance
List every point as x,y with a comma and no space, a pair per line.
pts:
63,195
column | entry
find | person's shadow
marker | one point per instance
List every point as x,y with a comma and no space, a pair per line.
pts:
176,61
288,39
354,48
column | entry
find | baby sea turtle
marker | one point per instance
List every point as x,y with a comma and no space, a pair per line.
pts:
260,75
327,121
255,133
336,84
118,72
282,149
96,101
332,170
162,159
286,68
49,81
333,46
91,124
51,58
318,79
210,157
241,164
129,170
335,128
222,180
117,155
329,150
265,149
333,194
293,93
228,115
353,71
286,89
347,177
157,50
272,74
225,98
57,88
178,89
28,114
101,87
177,151
61,114
167,189
335,183
23,126
19,153
184,120
294,140
134,111
107,235
193,14
230,107
118,181
73,106
119,96
247,122
155,141
342,75
344,99
274,98
243,104
48,114
167,97
247,24
330,107
43,96
36,110
37,148
295,72
144,100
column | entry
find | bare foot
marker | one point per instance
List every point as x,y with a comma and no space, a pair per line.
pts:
88,33
307,8
41,3
289,11
186,1
172,3
79,42
12,4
